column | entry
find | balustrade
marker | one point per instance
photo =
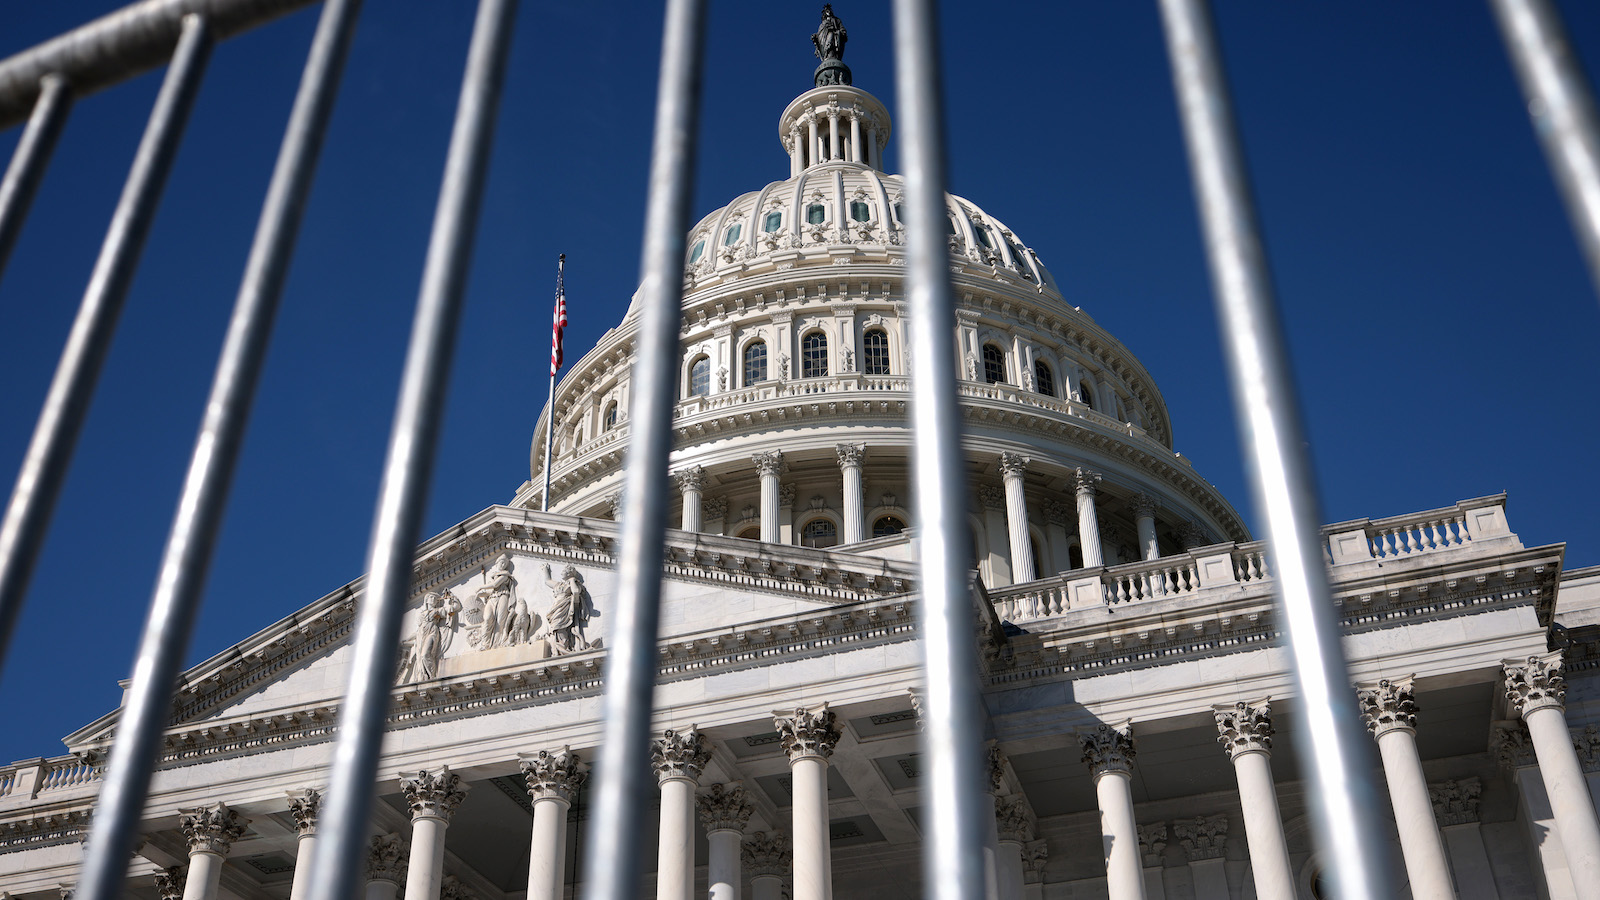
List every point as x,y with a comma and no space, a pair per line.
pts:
1417,533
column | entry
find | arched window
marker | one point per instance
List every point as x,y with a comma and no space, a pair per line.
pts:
1044,380
875,352
1087,392
819,533
700,376
814,355
860,211
697,251
753,533
887,525
755,363
609,420
773,222
983,236
816,213
994,364
732,234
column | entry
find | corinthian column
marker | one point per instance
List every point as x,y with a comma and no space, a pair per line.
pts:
1017,829
767,860
1390,711
724,812
850,466
1012,467
386,866
1144,519
692,482
809,736
433,798
169,883
1205,841
769,464
1245,731
1537,692
304,806
210,832
553,781
1108,752
679,758
1088,521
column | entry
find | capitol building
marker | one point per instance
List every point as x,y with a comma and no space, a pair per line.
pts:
1139,699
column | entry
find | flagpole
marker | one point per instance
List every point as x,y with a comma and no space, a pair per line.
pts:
550,420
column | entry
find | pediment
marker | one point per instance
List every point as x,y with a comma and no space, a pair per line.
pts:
506,591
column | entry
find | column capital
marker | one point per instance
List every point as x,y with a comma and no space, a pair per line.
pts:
1203,837
1015,820
433,795
723,808
387,858
850,454
1245,727
170,882
1455,802
1535,683
1035,854
1013,465
1085,481
305,805
1387,705
715,508
1586,740
211,829
691,479
680,755
1144,504
786,496
1108,748
1153,844
1513,745
1192,535
769,462
994,767
764,855
554,774
451,888
993,497
808,732
1058,513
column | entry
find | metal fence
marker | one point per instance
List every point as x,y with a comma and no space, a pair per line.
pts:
41,84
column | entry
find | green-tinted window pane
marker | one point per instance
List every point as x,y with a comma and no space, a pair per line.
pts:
860,211
815,214
732,234
774,222
697,251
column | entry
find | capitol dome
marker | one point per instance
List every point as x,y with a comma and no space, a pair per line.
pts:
791,424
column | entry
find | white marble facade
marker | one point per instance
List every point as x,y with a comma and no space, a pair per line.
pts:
1134,677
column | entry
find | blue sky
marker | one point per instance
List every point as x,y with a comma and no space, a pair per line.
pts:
1439,315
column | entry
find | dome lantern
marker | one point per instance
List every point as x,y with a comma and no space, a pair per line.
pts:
834,122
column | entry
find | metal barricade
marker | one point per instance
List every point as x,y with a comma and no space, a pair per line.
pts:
180,34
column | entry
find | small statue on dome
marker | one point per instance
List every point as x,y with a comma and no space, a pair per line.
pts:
830,37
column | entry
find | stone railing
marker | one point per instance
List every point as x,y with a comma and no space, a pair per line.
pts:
1454,528
26,780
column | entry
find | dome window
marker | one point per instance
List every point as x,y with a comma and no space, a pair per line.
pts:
949,226
816,214
994,364
983,236
875,352
814,355
886,526
900,213
1086,393
755,363
860,211
609,420
819,533
700,376
697,251
773,222
732,234
1044,380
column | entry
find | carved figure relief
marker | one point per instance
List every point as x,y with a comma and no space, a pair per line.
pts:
570,610
436,626
501,620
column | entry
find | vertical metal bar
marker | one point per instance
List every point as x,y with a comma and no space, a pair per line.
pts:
408,468
201,505
29,160
44,468
621,798
951,860
1561,105
1335,751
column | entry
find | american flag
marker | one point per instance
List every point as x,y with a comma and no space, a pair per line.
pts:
560,321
